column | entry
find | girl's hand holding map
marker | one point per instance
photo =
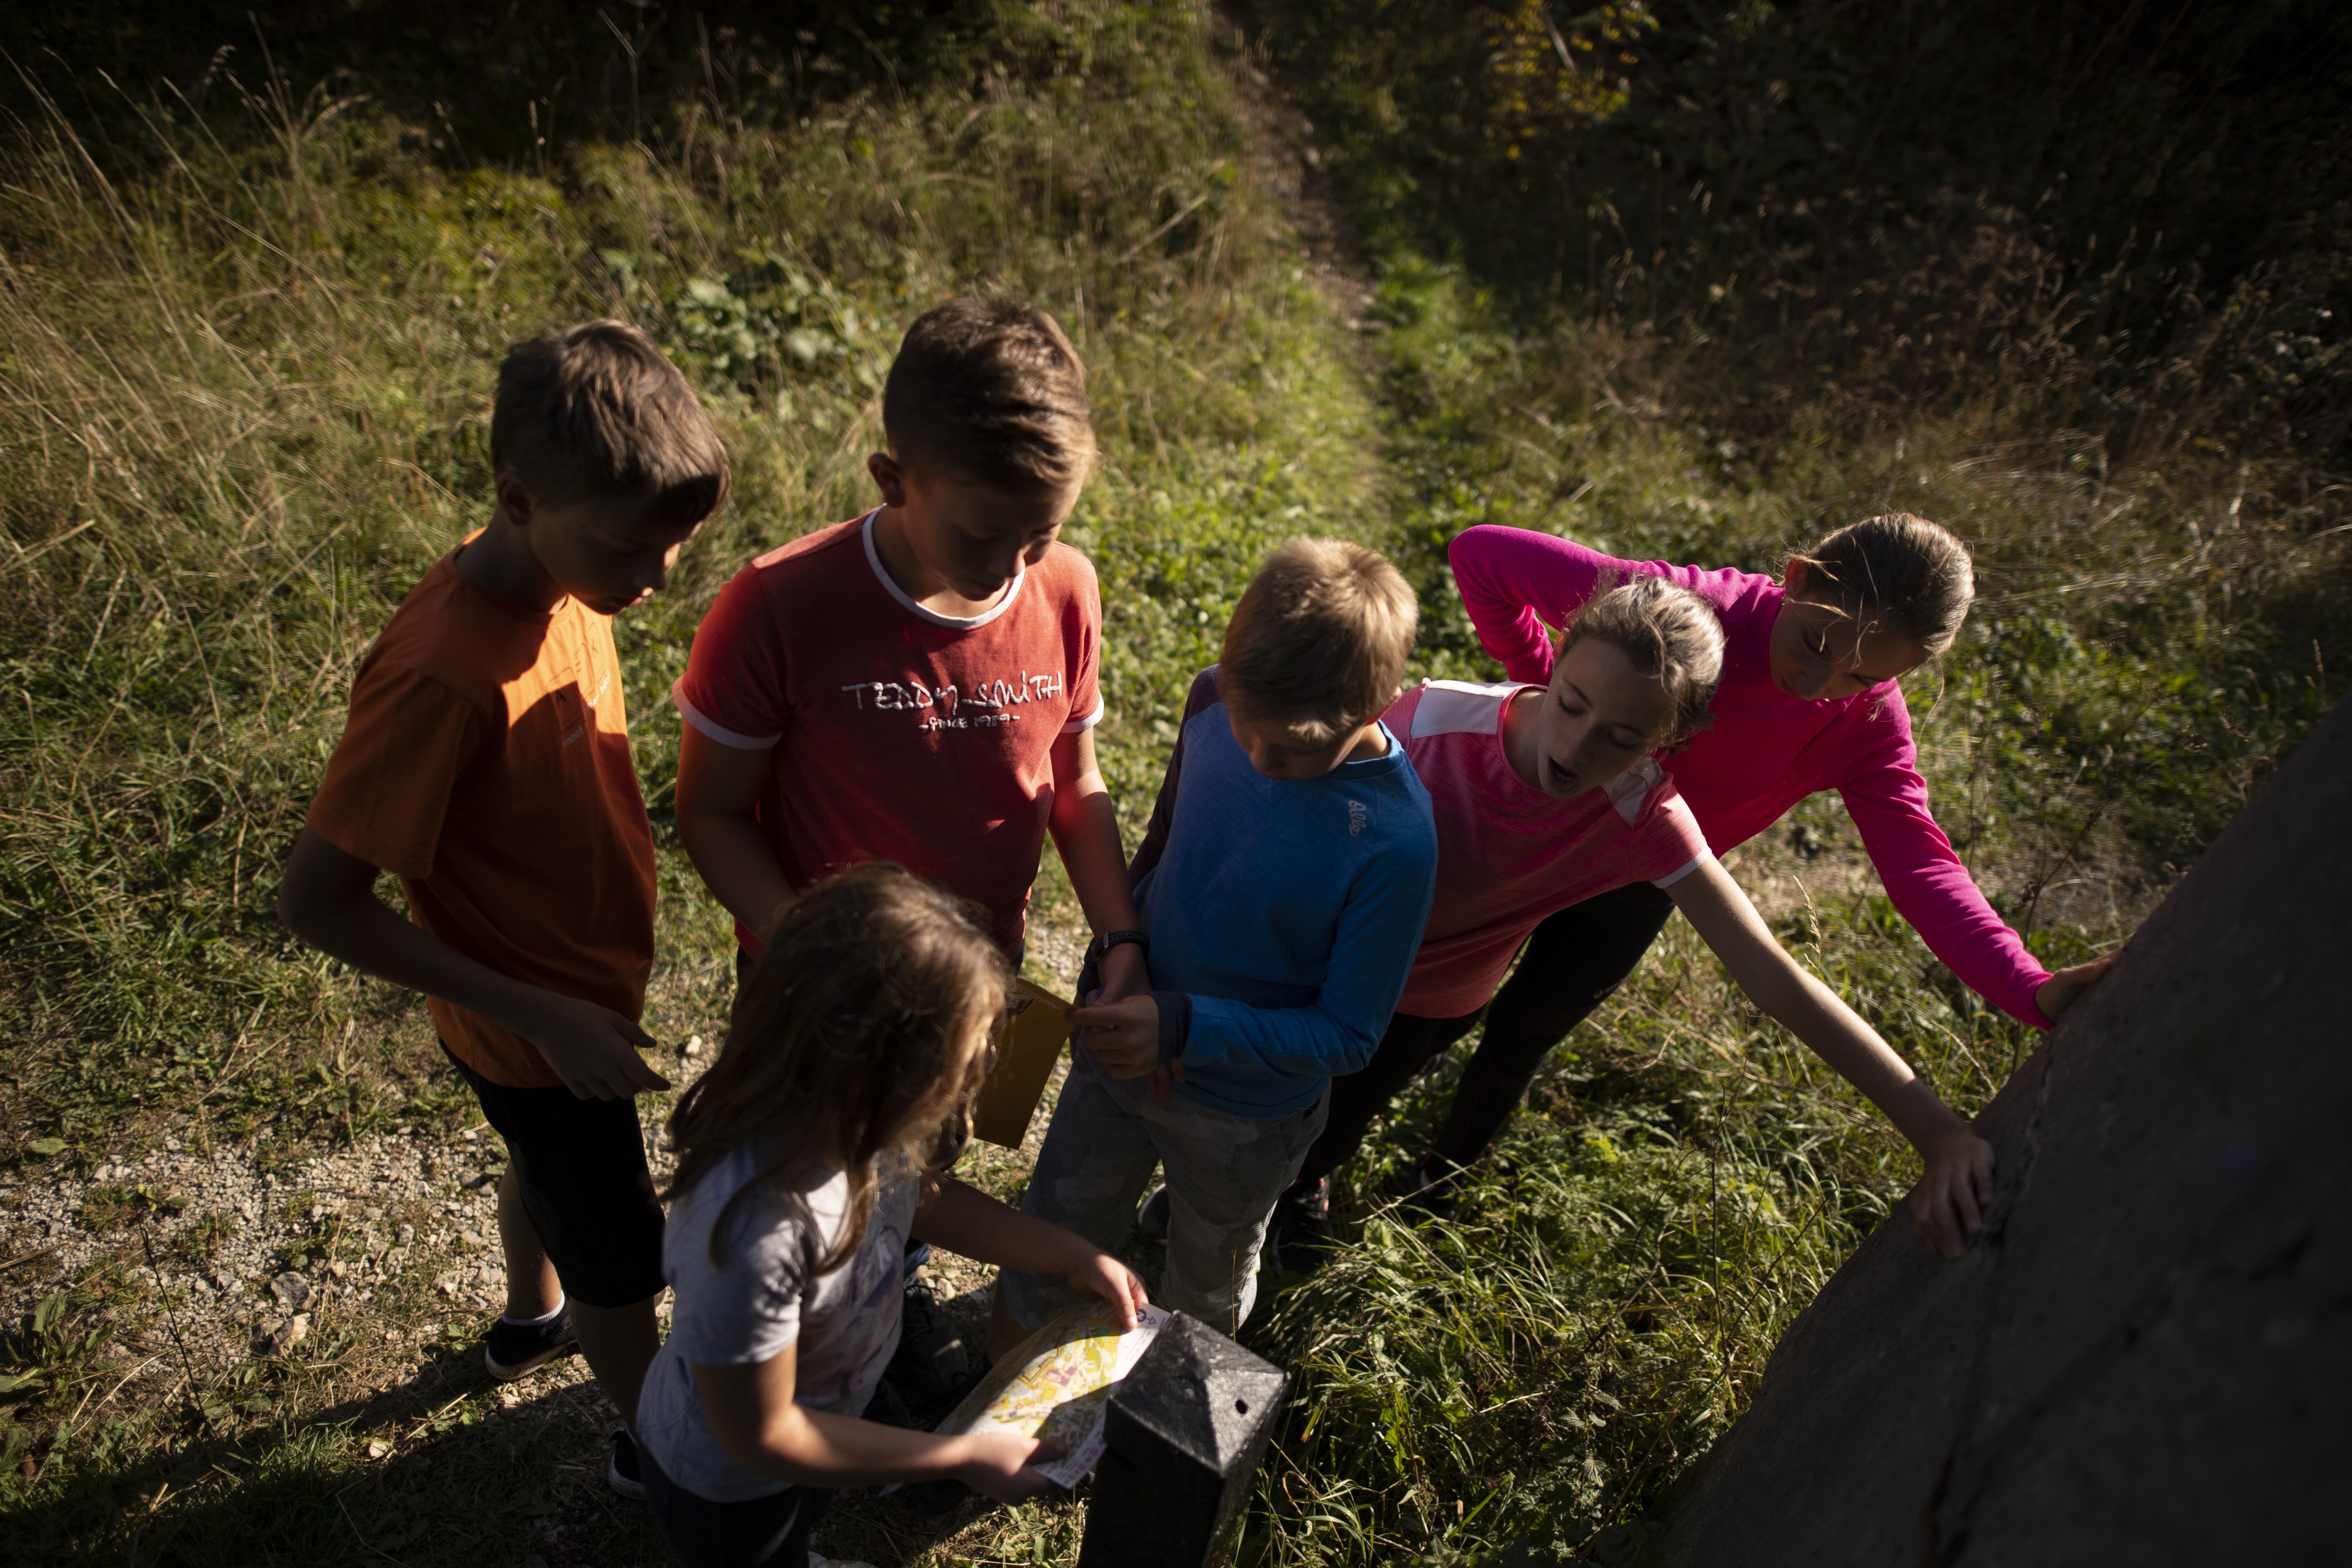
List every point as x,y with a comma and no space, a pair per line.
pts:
1100,1274
997,1465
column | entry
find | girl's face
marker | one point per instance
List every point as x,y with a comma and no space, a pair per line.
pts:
1598,718
979,1055
1818,653
949,1103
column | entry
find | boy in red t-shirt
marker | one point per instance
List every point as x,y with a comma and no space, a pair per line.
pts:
919,684
486,762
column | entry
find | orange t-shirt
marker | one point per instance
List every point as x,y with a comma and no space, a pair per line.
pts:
487,765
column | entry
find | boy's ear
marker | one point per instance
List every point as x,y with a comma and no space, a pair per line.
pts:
512,497
888,478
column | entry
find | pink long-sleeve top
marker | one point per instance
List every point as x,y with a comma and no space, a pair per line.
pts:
1766,750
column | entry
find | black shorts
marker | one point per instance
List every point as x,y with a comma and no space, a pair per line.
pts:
582,1167
769,1532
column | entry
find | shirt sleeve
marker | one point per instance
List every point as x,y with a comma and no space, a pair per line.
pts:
1380,931
746,1309
1517,583
1201,697
1085,658
733,690
1924,880
1676,842
386,794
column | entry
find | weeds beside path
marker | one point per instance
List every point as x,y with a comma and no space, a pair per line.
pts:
251,327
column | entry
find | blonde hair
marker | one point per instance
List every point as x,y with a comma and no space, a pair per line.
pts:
987,388
846,1048
1900,568
598,410
1670,634
1319,642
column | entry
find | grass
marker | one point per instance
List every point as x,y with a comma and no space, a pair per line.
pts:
250,324
1597,319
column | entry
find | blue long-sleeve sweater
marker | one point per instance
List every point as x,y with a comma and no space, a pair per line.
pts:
1284,914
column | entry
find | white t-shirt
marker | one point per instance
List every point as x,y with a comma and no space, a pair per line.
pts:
762,1297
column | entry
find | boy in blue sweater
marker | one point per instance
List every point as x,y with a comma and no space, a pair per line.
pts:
1282,887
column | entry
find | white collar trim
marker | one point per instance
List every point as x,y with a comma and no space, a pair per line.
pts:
1630,791
953,623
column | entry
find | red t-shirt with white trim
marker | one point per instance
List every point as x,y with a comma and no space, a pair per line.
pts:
899,734
1509,854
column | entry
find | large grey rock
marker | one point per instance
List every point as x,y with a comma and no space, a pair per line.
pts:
2147,1358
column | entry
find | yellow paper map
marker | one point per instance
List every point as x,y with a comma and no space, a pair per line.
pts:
1054,1385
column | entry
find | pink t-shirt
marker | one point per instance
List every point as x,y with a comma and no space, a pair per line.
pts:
1766,750
899,734
1507,854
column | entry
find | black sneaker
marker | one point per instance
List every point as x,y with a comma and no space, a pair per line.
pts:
1151,1219
1301,1227
621,1471
1431,1188
931,1355
511,1349
888,1408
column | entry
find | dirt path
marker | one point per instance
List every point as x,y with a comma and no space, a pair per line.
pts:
239,1292
235,1284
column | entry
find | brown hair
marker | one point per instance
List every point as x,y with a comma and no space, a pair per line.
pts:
1671,635
598,410
1319,642
845,1049
987,389
1900,567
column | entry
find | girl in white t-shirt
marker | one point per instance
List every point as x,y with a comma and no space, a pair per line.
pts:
1547,796
807,1156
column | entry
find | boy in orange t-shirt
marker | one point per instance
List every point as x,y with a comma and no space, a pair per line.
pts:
486,762
919,684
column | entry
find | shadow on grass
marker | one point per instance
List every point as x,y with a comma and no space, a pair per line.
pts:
425,1472
430,1471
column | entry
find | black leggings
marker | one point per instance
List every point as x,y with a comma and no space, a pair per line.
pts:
1574,959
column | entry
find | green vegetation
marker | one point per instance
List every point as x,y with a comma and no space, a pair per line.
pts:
1698,297
1741,275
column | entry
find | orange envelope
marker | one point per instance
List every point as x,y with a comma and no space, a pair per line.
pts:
1026,1049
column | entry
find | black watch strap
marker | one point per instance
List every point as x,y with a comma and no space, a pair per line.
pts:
1110,938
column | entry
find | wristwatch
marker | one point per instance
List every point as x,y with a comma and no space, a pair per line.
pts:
1097,950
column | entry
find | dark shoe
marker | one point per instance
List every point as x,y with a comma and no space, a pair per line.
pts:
1151,1219
931,1355
621,1471
1431,1188
511,1349
971,1379
934,1497
889,1408
1302,1226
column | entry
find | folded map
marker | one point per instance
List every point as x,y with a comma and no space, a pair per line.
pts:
1055,1385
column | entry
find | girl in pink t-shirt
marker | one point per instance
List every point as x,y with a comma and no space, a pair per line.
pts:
1546,797
1809,701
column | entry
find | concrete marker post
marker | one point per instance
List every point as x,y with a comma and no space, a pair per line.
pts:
1184,1433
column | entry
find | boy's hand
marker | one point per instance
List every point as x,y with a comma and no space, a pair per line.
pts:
2065,988
1099,1274
1954,1195
594,1050
997,1465
1124,973
1124,1036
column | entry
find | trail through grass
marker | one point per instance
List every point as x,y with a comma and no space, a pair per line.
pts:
252,317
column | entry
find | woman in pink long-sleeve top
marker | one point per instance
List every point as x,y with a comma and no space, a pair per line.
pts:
1809,701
